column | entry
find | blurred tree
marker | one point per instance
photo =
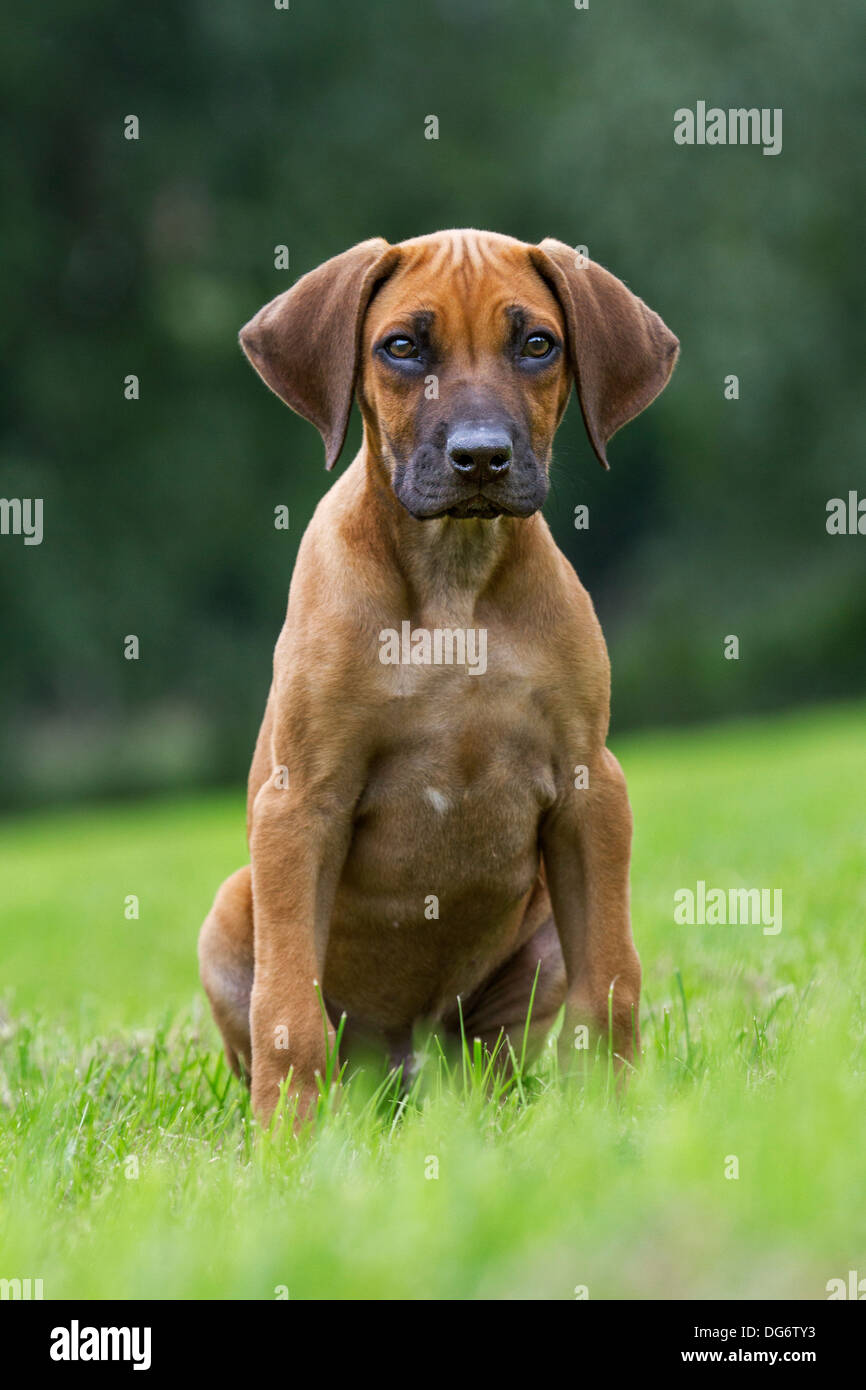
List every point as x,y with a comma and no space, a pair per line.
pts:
305,128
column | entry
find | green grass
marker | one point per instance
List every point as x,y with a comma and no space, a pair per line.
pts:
753,1047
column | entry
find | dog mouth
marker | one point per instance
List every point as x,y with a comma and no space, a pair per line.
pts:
429,500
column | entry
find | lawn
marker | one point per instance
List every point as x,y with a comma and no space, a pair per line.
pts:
128,1162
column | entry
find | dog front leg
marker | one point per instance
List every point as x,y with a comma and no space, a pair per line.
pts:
586,845
297,846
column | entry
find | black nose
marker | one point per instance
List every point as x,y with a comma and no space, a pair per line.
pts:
479,453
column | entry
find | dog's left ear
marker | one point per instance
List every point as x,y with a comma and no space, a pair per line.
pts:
622,354
305,343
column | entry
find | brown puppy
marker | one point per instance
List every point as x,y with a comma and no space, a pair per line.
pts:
418,830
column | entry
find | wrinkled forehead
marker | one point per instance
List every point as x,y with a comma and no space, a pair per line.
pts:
466,285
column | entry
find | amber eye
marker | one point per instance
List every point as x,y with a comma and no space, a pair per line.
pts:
538,345
400,347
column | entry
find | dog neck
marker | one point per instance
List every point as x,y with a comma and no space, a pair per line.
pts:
447,564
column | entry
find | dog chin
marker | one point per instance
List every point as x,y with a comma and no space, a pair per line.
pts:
476,509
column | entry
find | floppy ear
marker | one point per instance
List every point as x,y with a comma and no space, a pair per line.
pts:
622,354
305,343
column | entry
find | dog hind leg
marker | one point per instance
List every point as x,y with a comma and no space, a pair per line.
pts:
225,953
502,1002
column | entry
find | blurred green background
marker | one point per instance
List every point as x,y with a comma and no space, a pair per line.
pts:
305,127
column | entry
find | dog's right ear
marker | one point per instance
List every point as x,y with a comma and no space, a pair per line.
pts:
305,343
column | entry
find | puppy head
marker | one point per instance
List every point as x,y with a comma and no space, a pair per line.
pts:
465,376
462,347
